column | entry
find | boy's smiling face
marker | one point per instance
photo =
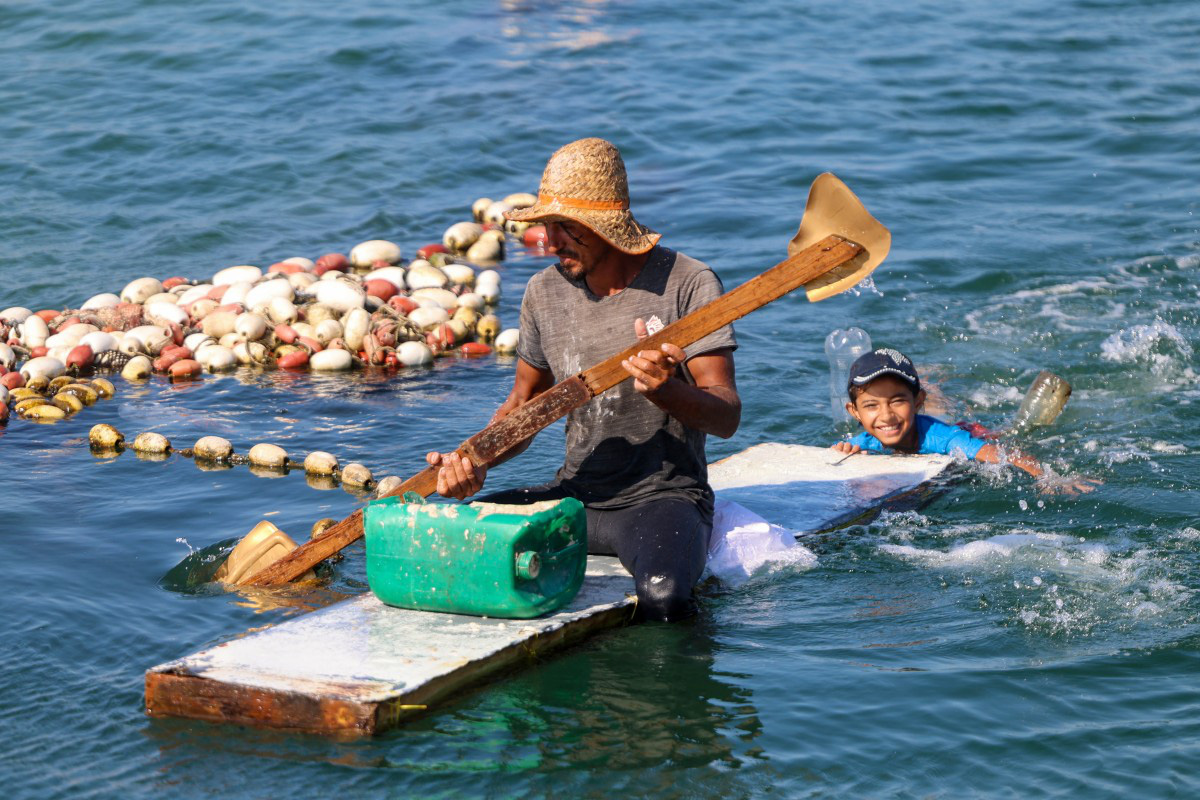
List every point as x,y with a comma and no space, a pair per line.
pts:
887,409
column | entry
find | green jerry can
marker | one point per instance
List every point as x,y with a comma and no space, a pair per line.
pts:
485,559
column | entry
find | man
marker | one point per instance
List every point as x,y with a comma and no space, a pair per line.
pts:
635,454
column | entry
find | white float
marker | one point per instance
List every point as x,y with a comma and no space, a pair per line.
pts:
47,367
98,301
100,341
264,293
331,361
414,354
140,290
367,253
194,293
393,275
230,275
461,235
428,317
339,295
507,341
444,298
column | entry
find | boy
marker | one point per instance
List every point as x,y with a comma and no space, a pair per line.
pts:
885,396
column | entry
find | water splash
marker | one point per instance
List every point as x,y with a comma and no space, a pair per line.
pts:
1061,585
1159,343
866,286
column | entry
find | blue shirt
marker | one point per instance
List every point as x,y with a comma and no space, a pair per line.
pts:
933,436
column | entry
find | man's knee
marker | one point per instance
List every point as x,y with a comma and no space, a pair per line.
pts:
664,598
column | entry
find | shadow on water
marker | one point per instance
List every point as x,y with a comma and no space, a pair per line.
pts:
194,574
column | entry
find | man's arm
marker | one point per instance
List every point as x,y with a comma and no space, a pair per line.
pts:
458,477
712,405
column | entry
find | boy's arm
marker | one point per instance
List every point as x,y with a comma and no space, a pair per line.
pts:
991,454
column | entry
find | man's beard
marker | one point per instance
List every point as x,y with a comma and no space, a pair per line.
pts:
576,270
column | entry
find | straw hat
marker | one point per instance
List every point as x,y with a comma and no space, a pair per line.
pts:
585,182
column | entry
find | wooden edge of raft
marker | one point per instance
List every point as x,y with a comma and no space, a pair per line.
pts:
173,693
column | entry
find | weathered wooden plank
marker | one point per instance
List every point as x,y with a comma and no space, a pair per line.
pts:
359,667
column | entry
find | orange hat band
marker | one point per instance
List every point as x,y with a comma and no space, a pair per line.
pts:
580,203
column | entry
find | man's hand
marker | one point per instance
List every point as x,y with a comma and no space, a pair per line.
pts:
847,448
458,477
651,369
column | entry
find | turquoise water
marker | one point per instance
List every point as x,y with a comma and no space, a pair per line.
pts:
1037,164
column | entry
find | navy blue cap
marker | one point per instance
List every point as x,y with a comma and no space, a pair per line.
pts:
883,361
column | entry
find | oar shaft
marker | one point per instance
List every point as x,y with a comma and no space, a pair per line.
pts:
555,403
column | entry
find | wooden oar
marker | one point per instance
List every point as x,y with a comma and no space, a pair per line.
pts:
839,243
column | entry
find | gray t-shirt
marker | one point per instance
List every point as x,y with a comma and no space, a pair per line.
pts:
621,448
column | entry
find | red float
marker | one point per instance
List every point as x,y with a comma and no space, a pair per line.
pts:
185,369
378,287
331,261
441,337
294,360
80,357
475,349
286,267
172,282
38,352
311,344
13,380
535,236
429,249
48,315
405,305
164,362
217,292
286,333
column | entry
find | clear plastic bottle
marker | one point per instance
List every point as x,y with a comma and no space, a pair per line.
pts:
1043,402
842,347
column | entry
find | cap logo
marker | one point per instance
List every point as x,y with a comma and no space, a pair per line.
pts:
895,355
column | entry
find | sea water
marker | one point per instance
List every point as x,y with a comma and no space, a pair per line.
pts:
1037,166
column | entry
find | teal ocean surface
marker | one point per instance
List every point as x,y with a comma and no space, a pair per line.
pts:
1038,166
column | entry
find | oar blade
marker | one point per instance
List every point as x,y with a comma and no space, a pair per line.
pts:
833,209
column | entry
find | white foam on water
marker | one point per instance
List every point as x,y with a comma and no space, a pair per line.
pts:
1159,343
1057,584
1003,546
990,395
1086,285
